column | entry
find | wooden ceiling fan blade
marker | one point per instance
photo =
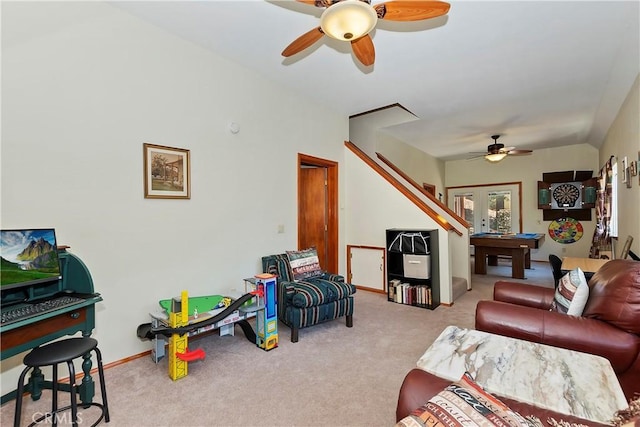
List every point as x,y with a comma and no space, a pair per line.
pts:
303,42
477,156
364,50
403,10
519,152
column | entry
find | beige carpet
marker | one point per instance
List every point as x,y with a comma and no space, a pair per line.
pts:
334,376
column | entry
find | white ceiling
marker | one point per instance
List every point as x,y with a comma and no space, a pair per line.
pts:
540,73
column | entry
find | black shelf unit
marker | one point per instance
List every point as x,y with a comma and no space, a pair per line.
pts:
419,287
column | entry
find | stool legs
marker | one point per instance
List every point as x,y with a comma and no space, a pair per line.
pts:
103,387
54,395
73,394
72,390
20,392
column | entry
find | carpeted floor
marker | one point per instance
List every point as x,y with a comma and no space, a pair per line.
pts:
334,376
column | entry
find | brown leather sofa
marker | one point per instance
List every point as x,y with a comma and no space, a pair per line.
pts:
419,386
609,326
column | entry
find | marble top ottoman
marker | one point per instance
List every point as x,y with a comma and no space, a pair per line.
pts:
565,381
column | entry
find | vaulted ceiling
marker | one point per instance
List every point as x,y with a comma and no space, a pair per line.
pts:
540,73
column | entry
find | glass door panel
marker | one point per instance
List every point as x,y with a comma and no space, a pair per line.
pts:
499,211
463,207
492,209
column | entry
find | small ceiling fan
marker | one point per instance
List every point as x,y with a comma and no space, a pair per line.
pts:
353,20
496,152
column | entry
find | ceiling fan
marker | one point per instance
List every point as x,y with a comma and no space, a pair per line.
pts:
496,152
353,20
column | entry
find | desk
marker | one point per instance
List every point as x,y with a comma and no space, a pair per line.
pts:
27,334
565,381
518,246
587,265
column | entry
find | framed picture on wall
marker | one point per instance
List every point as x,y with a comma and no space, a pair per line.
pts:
625,178
167,172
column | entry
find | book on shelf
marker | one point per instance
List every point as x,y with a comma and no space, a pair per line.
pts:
406,293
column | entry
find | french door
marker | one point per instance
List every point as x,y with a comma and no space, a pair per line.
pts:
488,209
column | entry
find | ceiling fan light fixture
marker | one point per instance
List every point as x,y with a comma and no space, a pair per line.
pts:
495,157
348,20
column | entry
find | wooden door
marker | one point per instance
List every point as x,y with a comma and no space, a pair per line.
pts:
312,211
318,208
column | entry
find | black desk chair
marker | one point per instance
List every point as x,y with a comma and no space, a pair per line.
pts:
556,268
65,351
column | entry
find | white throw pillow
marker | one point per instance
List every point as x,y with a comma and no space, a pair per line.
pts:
572,294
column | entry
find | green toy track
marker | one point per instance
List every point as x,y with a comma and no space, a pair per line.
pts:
202,304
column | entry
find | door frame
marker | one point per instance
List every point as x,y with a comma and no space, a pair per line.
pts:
498,184
384,267
332,206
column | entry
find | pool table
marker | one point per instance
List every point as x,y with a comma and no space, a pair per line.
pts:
517,246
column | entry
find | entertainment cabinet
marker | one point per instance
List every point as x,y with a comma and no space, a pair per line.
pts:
413,276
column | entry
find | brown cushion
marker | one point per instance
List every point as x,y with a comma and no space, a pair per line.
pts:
614,295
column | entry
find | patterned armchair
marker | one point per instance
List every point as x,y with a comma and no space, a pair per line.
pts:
311,300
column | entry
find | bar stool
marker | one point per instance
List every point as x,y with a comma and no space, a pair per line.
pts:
64,351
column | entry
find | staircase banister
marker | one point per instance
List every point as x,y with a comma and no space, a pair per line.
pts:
430,196
402,188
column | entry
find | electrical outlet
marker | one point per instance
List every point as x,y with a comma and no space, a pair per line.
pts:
280,228
564,250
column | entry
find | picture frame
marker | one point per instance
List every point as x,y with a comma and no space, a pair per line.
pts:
633,168
167,172
624,171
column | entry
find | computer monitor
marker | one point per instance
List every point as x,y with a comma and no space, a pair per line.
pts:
29,257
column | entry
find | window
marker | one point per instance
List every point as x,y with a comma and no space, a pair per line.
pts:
613,222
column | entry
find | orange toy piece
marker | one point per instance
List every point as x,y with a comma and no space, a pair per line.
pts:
190,356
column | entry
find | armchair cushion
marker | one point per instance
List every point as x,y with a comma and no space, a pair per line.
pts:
571,294
304,264
319,291
615,295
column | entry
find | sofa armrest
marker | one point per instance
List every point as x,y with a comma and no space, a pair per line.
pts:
420,386
559,330
417,388
523,294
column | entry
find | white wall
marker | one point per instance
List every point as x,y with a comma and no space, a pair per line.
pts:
84,85
417,164
528,170
365,129
623,139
